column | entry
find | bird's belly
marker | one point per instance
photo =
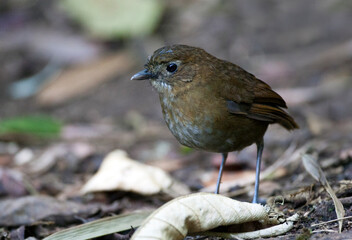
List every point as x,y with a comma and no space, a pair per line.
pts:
202,132
192,134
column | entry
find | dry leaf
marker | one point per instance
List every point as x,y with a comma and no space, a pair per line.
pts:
31,209
312,166
83,78
118,172
262,233
201,212
101,227
50,156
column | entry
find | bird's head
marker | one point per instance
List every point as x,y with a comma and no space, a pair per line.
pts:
173,67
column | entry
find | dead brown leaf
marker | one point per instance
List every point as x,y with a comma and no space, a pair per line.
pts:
312,166
28,210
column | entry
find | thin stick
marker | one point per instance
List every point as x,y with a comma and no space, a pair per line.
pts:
326,230
335,220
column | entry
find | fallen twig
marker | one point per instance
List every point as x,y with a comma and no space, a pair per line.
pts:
334,220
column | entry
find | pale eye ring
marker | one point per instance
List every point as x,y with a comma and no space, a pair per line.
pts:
171,67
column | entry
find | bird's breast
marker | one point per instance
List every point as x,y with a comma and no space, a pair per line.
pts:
195,125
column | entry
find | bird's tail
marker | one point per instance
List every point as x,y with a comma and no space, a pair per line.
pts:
272,114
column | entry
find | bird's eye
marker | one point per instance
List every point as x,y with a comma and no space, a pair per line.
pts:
172,67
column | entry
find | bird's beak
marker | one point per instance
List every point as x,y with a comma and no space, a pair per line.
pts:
142,75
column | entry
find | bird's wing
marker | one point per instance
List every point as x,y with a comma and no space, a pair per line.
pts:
249,96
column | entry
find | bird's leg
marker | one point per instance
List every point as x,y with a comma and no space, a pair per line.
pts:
260,146
224,157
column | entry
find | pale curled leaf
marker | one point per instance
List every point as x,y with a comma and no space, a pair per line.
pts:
197,213
312,166
119,172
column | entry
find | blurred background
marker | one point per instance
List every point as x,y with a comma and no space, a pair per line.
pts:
65,69
72,59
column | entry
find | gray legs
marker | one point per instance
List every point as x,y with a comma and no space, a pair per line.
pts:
224,157
260,146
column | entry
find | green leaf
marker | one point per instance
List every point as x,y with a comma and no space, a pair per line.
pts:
186,150
39,126
101,227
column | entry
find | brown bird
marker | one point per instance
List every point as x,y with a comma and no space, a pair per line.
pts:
212,104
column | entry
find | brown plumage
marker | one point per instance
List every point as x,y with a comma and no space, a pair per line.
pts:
212,104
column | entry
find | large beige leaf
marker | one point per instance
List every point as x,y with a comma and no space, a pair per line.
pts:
196,213
119,172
